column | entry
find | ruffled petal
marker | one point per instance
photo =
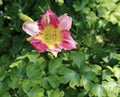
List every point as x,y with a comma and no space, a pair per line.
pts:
65,22
67,43
38,45
31,28
54,51
47,18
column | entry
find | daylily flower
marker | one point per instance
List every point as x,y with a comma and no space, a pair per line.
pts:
50,33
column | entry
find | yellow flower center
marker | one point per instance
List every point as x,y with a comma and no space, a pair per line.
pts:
50,36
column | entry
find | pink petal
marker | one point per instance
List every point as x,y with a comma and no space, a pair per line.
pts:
54,51
47,18
31,28
68,43
38,45
65,22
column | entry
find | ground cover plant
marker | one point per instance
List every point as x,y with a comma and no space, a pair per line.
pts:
90,70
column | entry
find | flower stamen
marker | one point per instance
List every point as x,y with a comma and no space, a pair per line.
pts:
50,36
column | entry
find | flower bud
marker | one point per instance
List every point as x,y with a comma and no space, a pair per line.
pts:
25,17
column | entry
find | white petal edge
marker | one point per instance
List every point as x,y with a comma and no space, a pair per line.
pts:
54,51
31,28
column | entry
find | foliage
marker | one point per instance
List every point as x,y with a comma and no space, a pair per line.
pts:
92,70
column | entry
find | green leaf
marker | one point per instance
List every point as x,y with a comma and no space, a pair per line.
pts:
5,94
106,74
54,65
15,63
85,68
111,87
60,2
3,87
32,71
91,18
53,81
86,83
1,2
90,75
115,56
106,59
65,78
55,93
110,5
26,85
103,12
78,58
21,93
76,6
14,82
44,83
97,90
69,75
36,92
5,59
75,81
41,62
33,56
96,69
2,73
79,6
21,69
82,93
117,72
86,80
113,17
115,1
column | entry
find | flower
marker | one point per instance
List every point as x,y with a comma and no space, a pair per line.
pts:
50,33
